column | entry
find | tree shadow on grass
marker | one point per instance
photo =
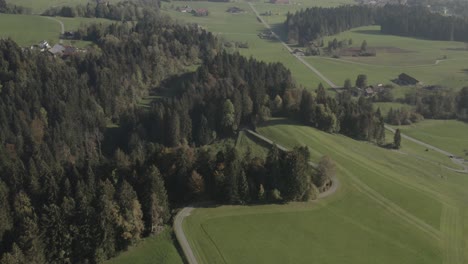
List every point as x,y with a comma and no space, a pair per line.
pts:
281,121
368,32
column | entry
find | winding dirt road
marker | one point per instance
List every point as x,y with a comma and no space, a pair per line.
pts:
61,25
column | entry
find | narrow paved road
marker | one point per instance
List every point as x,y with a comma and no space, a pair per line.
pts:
312,68
178,229
61,25
179,232
452,156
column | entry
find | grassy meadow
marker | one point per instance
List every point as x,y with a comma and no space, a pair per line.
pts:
391,207
158,249
28,29
422,59
449,135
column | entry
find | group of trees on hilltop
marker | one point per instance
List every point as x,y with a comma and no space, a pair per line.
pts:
121,11
312,23
12,9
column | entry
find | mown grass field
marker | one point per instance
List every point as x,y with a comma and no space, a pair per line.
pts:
449,135
392,207
28,29
159,249
422,59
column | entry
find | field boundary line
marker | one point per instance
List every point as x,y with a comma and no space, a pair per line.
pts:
452,229
392,207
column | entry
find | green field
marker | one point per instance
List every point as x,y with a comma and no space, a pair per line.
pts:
392,207
395,55
27,29
159,249
449,135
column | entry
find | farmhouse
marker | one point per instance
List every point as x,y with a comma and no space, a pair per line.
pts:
369,91
69,50
200,12
298,52
57,50
44,45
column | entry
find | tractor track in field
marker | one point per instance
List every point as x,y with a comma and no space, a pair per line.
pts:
390,206
452,228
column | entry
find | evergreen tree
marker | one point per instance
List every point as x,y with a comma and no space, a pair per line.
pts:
361,81
397,139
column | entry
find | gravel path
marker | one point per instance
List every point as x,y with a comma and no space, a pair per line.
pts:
179,232
61,25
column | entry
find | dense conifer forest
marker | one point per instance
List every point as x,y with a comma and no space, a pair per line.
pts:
73,190
416,21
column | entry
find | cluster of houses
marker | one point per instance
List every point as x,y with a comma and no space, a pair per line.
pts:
57,50
193,11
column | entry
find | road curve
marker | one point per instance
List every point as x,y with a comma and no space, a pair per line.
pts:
61,25
179,232
312,68
179,218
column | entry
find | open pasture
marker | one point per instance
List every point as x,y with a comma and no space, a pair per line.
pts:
431,62
390,208
28,29
449,135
